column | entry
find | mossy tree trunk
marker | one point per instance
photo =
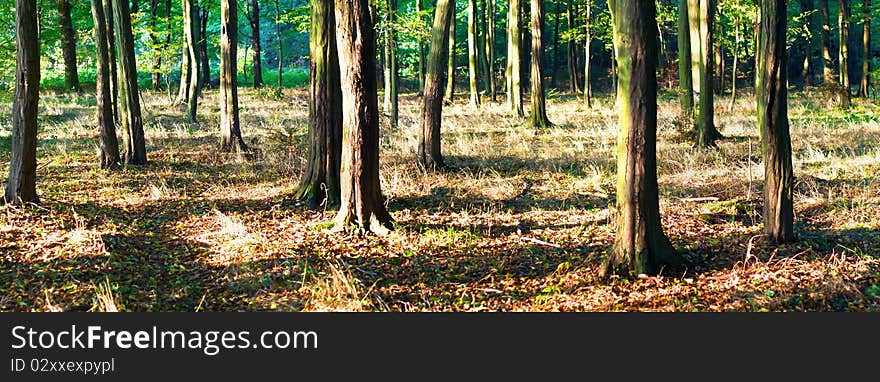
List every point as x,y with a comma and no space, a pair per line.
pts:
640,246
430,156
865,83
538,108
514,73
391,64
230,125
319,185
68,46
843,15
827,63
109,144
450,69
254,20
473,53
129,94
772,112
361,201
21,186
685,64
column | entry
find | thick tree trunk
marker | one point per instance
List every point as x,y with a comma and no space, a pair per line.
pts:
450,70
430,156
320,182
191,28
865,83
514,73
640,246
843,53
361,195
255,43
538,109
772,100
827,64
129,94
588,86
573,81
109,144
391,65
472,53
68,46
685,64
21,186
230,126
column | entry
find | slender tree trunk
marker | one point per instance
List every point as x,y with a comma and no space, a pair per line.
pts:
114,75
640,246
702,40
685,63
280,47
472,53
155,78
450,70
319,185
167,42
554,59
735,63
827,64
430,156
68,46
843,56
514,82
205,64
230,125
538,112
191,32
256,44
772,97
21,186
588,86
129,94
109,144
361,194
490,47
185,74
574,85
391,64
865,83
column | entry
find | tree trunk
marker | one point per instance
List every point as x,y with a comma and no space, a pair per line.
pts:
574,85
865,83
640,246
230,126
772,100
68,46
472,53
109,144
490,47
735,63
588,86
843,55
191,27
827,64
685,64
280,47
321,177
129,94
432,102
255,42
204,63
702,39
421,52
114,75
450,70
361,195
538,112
514,73
718,62
155,78
21,186
167,42
806,72
185,74
391,65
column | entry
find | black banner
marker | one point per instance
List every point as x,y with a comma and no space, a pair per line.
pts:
330,346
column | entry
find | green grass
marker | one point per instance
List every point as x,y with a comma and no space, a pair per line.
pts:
291,78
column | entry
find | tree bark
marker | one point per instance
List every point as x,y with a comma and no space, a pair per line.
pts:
701,14
772,100
735,64
827,64
843,53
109,144
573,80
450,70
588,86
319,185
490,47
640,246
391,65
21,186
191,28
68,46
129,100
204,63
114,75
538,112
280,48
230,125
254,20
514,73
472,53
361,195
430,156
685,64
865,83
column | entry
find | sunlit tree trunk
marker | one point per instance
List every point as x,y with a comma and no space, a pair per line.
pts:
21,186
361,195
391,64
538,109
450,70
68,46
685,64
514,73
319,185
772,100
640,246
256,44
129,94
701,22
109,145
490,47
735,64
588,86
843,53
430,156
472,53
827,64
865,83
230,125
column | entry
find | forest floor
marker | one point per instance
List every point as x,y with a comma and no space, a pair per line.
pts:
519,222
